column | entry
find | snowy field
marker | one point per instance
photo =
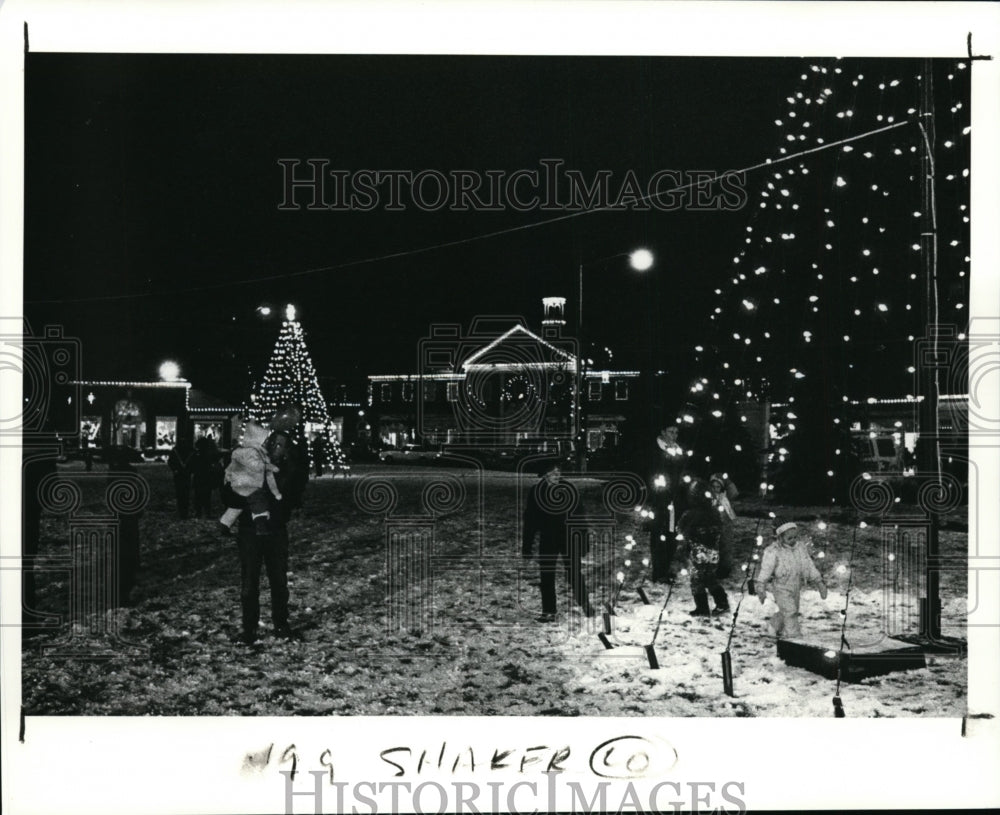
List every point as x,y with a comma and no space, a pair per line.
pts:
469,644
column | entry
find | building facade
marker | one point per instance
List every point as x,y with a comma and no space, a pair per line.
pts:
151,417
501,385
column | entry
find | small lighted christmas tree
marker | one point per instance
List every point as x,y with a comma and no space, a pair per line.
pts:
290,379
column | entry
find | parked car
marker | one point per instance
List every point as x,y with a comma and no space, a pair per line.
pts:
409,454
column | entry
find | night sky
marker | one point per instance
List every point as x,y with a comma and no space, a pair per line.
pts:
153,230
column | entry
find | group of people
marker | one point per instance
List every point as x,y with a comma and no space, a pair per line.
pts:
690,525
197,466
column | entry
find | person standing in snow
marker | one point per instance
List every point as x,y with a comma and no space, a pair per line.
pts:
206,474
722,488
545,515
699,538
787,566
270,551
667,502
179,462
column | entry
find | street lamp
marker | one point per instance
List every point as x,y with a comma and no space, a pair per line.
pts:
639,259
170,371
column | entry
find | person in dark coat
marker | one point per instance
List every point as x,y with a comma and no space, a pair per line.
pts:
543,516
179,462
700,535
127,554
206,475
318,453
667,502
270,551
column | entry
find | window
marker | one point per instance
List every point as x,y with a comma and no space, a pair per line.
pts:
208,430
594,391
452,391
407,391
385,392
430,391
621,389
90,430
594,438
166,431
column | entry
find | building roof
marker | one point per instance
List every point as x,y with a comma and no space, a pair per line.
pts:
195,400
200,401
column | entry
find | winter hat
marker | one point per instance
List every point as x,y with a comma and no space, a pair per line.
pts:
254,435
786,527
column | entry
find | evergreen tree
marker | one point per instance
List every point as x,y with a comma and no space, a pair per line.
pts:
823,307
290,379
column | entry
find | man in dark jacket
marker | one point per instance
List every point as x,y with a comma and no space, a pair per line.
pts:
179,462
545,514
668,502
271,550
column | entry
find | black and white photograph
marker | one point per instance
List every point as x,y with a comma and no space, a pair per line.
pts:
621,385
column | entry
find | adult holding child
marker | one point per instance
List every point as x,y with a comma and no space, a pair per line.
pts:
264,542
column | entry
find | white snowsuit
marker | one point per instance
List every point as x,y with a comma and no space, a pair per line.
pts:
788,569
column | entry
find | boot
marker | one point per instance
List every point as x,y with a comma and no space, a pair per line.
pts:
700,604
721,600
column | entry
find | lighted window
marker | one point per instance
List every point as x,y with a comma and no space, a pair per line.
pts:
594,391
621,389
594,439
90,430
407,391
166,431
385,392
208,430
452,391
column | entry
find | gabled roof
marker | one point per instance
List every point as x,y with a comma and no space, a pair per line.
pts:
518,348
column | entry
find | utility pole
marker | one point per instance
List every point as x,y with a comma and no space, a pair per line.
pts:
930,446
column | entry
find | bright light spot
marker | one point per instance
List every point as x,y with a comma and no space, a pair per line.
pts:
170,371
290,312
641,259
841,182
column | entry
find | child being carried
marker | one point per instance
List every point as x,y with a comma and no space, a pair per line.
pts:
248,473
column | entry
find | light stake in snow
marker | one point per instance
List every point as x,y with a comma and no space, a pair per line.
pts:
650,650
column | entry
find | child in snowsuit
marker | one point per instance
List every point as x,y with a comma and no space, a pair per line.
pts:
247,474
787,566
700,535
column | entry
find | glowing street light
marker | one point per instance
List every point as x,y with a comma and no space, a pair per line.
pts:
170,371
641,260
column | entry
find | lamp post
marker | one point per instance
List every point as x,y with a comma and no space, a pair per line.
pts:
640,260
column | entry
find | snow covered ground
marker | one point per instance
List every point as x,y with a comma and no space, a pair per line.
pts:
474,647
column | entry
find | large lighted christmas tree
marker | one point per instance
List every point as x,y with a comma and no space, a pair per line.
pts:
824,307
290,379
